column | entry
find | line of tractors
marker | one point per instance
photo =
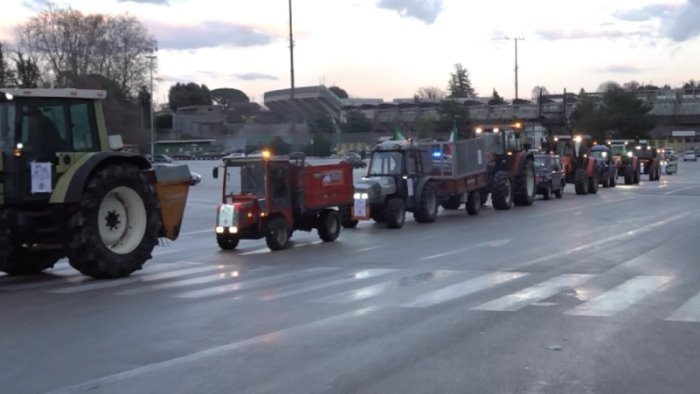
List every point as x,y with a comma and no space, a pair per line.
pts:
273,196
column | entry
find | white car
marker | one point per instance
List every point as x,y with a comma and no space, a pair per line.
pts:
690,156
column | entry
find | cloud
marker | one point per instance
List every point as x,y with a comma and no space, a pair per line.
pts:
424,10
207,34
619,69
678,22
36,5
157,2
582,34
256,76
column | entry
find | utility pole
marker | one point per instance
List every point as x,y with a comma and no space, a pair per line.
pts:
291,62
151,58
516,39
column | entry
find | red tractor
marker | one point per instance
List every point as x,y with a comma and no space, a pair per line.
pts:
580,167
272,196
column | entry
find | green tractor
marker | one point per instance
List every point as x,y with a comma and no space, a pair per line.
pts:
67,189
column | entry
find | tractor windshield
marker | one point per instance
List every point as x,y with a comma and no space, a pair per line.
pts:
601,156
386,163
248,178
7,125
617,149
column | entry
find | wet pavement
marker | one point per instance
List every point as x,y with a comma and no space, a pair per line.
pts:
587,294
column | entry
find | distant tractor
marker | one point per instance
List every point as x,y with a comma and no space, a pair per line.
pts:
626,161
580,168
510,165
272,196
649,160
607,171
66,190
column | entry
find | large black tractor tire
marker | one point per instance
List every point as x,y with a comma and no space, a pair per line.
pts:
346,218
525,186
395,213
452,203
559,193
329,225
581,181
276,233
502,191
427,208
473,203
593,183
227,241
116,225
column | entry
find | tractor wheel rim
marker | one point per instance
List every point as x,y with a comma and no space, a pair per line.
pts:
281,234
122,220
530,181
332,224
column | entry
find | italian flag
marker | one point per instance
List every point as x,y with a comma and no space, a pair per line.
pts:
451,141
398,136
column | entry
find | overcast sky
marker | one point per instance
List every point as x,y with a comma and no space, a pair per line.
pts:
389,48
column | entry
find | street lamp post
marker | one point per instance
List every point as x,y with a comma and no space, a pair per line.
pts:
151,58
516,39
291,68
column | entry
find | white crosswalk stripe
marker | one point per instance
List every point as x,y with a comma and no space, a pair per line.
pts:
621,297
462,289
688,312
538,292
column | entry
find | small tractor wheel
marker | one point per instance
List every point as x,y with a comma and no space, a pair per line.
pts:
329,225
581,181
502,191
628,175
276,233
593,183
395,213
525,187
427,209
452,203
346,218
116,225
473,202
227,241
377,214
547,191
559,193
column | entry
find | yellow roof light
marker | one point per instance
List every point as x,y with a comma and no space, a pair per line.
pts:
517,125
266,154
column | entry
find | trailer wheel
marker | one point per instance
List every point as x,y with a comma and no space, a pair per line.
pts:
395,213
346,218
116,226
502,191
276,234
227,241
525,190
426,211
593,183
581,181
452,203
473,202
329,225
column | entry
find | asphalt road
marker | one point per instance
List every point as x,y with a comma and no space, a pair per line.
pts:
587,294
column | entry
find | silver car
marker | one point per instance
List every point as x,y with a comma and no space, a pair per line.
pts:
690,156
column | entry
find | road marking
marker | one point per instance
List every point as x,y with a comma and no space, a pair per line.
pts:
690,311
682,189
234,287
357,276
492,244
267,339
533,294
621,297
582,207
370,248
267,250
208,230
462,289
98,285
375,290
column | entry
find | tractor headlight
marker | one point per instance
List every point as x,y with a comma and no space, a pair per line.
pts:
629,154
361,196
219,230
233,230
357,196
364,196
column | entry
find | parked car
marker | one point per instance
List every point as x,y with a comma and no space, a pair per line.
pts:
670,166
195,178
354,159
690,156
161,158
549,175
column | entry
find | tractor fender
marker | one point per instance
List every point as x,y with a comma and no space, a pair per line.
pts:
418,189
520,161
69,188
592,166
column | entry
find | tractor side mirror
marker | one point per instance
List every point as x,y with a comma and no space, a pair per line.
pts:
215,173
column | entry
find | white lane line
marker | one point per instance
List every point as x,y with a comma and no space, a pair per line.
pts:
533,294
690,311
194,232
98,285
267,250
621,297
682,189
462,289
380,288
491,244
370,248
234,287
266,339
355,277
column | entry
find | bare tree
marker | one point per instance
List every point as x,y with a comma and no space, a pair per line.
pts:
430,93
68,44
6,74
28,75
537,91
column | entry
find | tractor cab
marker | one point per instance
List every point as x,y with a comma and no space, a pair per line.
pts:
504,138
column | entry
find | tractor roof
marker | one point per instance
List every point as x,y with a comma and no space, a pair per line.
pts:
394,145
54,93
600,148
